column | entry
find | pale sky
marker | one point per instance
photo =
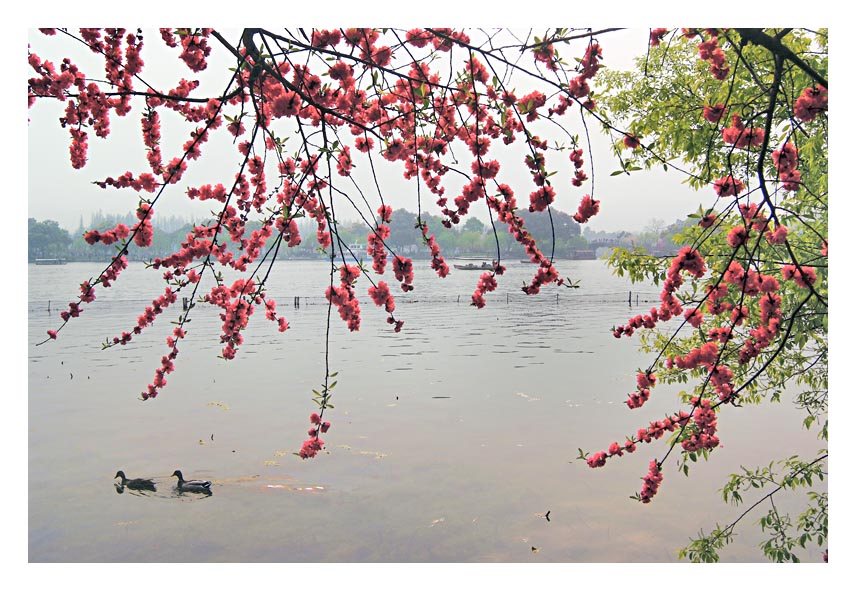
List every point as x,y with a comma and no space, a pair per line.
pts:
58,192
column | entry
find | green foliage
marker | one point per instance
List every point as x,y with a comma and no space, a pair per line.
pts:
783,536
662,103
46,240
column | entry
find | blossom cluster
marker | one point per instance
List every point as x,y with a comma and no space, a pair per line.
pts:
785,160
576,158
487,283
810,103
711,52
741,136
237,302
651,482
313,445
438,263
345,298
587,209
687,260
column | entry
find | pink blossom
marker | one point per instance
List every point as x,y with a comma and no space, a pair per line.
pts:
727,186
777,236
713,113
587,209
657,35
737,236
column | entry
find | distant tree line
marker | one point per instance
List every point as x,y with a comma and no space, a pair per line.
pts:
473,238
47,240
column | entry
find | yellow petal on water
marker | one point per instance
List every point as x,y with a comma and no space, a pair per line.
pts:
373,453
271,463
436,521
281,452
202,442
222,406
243,479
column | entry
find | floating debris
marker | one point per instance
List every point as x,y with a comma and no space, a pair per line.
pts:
546,515
220,404
436,521
283,487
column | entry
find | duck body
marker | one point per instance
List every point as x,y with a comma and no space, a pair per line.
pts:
143,484
194,486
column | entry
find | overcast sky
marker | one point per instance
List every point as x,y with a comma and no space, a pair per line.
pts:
58,192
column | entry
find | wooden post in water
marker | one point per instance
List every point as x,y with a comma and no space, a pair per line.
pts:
629,299
297,301
184,302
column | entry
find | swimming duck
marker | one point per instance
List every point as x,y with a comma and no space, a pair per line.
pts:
193,486
146,484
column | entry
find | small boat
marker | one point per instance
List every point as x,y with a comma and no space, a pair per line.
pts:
485,266
583,255
192,486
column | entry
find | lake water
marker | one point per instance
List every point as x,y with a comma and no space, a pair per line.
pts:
449,441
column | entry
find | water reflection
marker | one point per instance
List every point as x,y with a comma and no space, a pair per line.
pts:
120,489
